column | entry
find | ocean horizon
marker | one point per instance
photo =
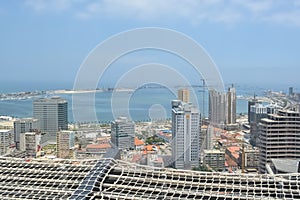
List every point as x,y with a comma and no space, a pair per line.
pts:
144,104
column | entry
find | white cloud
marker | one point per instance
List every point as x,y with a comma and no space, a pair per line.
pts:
191,11
49,5
287,18
255,6
194,11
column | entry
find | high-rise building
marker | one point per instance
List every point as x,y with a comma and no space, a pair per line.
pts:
251,102
6,141
279,137
222,107
30,142
52,114
184,95
185,135
65,141
257,112
291,91
122,133
231,106
22,126
217,108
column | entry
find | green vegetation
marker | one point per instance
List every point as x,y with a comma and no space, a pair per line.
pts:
201,168
154,140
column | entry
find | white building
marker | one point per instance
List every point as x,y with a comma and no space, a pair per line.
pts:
6,141
185,135
22,126
30,142
52,114
122,133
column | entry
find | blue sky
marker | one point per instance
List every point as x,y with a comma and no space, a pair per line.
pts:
252,41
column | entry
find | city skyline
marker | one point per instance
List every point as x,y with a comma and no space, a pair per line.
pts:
54,37
150,99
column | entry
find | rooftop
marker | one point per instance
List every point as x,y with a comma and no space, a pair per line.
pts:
98,146
286,165
138,142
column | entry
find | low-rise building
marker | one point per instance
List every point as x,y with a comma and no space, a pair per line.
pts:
30,143
65,144
214,159
6,141
98,148
22,126
251,158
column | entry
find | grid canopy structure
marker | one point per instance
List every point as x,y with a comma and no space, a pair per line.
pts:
112,179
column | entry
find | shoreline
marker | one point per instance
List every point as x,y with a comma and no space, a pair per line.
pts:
29,95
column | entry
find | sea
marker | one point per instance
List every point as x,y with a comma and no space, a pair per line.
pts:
144,104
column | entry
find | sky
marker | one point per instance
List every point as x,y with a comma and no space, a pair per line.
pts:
253,42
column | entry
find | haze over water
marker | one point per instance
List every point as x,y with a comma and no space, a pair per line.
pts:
140,102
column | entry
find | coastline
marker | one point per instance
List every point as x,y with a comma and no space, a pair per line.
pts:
28,95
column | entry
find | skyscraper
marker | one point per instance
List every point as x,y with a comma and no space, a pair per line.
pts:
291,91
231,106
52,114
65,141
184,95
185,135
217,108
258,112
122,133
279,137
22,126
251,102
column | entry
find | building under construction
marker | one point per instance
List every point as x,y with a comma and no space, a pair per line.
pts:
112,179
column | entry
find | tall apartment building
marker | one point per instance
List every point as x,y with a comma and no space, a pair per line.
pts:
222,107
6,141
231,106
52,114
185,135
65,141
251,102
217,108
259,111
31,143
279,137
122,133
184,95
291,91
22,126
